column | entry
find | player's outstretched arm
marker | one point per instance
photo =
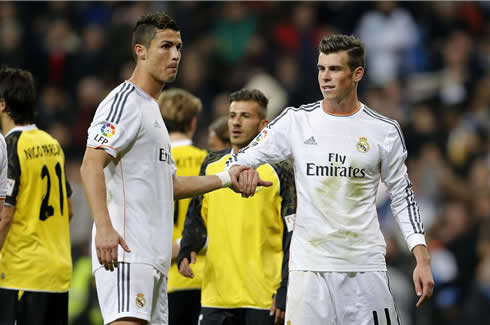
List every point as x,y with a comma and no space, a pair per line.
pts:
422,274
106,238
190,186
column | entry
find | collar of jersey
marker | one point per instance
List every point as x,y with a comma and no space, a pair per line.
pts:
358,109
28,127
141,91
180,143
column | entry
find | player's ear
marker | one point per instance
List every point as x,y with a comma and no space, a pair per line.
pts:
263,124
140,51
358,74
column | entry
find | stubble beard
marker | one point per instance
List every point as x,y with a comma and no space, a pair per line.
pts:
170,78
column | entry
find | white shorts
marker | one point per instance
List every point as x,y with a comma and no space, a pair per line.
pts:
337,298
132,290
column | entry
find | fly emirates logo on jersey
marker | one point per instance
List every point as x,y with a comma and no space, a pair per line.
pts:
164,155
336,167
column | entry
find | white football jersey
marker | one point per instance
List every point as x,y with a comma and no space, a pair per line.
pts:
128,126
339,161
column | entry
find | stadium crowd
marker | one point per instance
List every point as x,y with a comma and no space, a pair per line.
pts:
428,66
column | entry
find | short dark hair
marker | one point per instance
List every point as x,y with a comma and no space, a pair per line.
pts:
18,90
351,44
178,107
252,95
146,27
220,128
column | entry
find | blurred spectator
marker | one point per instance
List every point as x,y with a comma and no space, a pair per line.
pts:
298,35
453,82
54,105
90,93
272,89
193,77
92,57
387,99
287,72
233,30
476,309
400,281
219,134
389,34
11,39
60,43
458,234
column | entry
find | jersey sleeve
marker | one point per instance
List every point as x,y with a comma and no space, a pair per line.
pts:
13,173
69,190
288,212
115,124
3,168
270,146
394,175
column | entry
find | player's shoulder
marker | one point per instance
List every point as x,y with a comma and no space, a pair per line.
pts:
388,127
214,156
111,108
189,150
385,122
30,134
196,151
296,112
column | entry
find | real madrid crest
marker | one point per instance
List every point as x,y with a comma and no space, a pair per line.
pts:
140,300
363,145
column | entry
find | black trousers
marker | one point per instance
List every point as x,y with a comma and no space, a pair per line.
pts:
237,316
184,307
40,308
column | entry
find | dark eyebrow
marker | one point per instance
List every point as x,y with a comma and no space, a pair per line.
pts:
171,43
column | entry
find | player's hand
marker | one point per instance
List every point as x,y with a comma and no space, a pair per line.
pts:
245,180
277,313
249,180
234,172
106,243
423,281
185,268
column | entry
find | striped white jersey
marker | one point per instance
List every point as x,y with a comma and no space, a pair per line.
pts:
339,161
128,126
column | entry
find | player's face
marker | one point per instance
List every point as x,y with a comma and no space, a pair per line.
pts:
163,55
337,81
244,122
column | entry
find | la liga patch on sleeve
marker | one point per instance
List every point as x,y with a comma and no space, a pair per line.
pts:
107,131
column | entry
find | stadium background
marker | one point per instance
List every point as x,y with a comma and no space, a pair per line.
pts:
428,66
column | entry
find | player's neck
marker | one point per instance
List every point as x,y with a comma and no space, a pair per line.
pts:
235,148
178,136
144,81
8,124
344,107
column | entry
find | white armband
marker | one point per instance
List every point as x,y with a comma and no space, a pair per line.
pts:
224,178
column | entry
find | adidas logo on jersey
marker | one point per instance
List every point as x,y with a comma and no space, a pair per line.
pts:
156,124
310,140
